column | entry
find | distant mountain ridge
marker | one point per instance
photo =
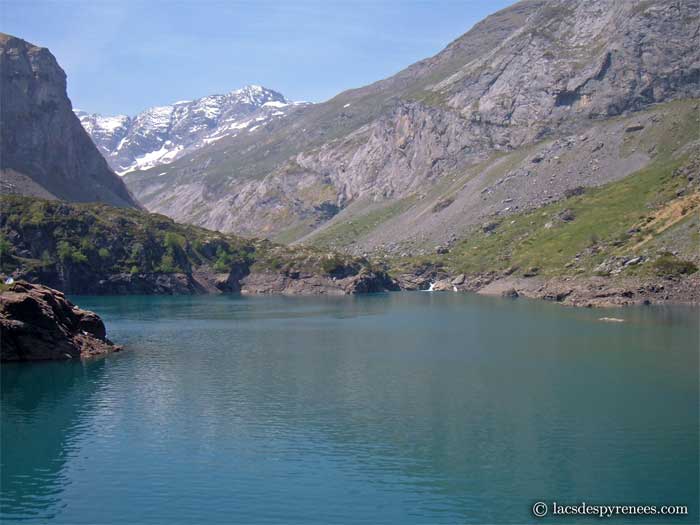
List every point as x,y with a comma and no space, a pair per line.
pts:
162,134
44,150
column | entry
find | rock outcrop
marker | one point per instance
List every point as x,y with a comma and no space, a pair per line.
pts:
38,323
44,151
299,283
98,249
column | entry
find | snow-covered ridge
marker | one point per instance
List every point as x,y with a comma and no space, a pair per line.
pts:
161,134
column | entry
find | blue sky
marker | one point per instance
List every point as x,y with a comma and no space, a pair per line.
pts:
124,56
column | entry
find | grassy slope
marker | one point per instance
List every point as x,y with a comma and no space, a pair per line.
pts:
343,233
604,221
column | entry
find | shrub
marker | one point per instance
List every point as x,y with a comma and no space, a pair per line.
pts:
333,265
5,246
173,241
46,259
221,266
64,251
167,264
442,204
78,256
136,250
574,192
668,265
67,253
36,213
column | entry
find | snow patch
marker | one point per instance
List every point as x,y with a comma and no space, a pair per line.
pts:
275,104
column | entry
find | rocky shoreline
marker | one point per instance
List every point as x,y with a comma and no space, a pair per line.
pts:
38,323
205,280
594,291
569,291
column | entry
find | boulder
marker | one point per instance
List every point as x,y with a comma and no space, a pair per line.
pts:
38,323
459,279
531,272
443,286
409,281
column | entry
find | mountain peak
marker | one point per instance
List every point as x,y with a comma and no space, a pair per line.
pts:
161,134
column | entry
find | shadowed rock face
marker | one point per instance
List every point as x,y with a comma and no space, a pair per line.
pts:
44,150
38,323
538,70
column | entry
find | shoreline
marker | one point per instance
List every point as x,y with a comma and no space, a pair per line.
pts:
580,292
572,291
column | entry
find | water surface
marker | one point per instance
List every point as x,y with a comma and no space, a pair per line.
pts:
395,408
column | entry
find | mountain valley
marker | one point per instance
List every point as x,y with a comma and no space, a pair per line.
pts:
528,95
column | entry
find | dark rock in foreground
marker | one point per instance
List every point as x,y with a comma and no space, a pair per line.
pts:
38,323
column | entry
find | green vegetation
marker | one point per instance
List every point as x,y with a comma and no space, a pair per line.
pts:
5,246
576,234
99,240
333,264
67,253
668,265
342,233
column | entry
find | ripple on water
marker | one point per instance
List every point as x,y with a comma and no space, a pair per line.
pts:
399,408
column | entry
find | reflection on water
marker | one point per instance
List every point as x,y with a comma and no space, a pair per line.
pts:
43,415
397,408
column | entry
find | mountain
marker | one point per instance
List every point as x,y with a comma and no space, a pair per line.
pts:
533,102
162,134
44,150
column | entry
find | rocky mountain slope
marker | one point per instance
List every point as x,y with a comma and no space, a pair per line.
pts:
631,241
533,102
44,150
162,134
98,249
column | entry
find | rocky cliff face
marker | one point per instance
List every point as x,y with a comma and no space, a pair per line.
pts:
44,150
38,323
537,72
162,134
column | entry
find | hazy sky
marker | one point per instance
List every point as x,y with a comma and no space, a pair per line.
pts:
124,56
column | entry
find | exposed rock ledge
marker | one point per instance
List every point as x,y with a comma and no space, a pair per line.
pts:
38,323
300,283
569,291
600,291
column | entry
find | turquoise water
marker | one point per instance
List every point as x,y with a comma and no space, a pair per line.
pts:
397,408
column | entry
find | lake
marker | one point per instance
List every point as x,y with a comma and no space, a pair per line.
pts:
390,408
